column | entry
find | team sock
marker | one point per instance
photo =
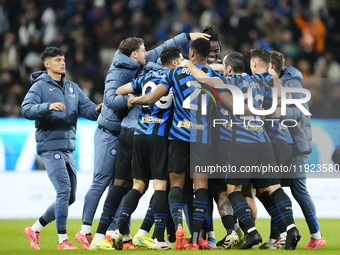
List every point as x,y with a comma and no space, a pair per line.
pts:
170,228
277,223
228,223
242,211
200,207
160,210
284,205
175,202
148,218
129,206
111,204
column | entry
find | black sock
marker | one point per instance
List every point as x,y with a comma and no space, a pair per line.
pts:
128,207
242,211
170,228
175,202
274,230
149,217
211,226
111,204
284,204
200,208
228,223
160,208
42,221
277,223
253,219
235,218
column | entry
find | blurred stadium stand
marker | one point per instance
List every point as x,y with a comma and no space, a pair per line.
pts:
89,32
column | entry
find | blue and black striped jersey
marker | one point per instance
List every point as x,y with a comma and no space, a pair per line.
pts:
223,131
154,119
248,129
274,129
189,123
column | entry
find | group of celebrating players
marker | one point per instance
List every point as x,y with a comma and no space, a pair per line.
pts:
156,124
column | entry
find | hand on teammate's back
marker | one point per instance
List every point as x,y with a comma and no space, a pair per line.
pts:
57,106
131,100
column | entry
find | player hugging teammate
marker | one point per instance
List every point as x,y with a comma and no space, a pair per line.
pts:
173,132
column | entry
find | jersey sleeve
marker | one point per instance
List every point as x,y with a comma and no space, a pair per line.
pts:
166,81
137,85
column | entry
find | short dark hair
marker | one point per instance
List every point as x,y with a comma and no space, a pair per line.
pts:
212,31
170,53
202,47
235,60
262,54
128,45
278,60
51,52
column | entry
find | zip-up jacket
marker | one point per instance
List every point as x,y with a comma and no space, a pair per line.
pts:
302,133
56,130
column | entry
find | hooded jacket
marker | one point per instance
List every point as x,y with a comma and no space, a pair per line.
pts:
302,133
123,70
55,130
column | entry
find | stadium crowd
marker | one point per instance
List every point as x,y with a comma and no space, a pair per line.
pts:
89,33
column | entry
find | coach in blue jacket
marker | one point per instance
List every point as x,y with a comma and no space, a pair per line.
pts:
54,103
302,138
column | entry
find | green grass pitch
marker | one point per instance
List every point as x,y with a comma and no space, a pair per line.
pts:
14,241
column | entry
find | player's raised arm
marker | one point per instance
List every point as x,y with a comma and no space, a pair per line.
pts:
227,99
200,75
125,89
217,67
148,99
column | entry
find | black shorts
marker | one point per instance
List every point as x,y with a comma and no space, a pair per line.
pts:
246,162
219,157
200,158
283,156
150,157
123,167
179,156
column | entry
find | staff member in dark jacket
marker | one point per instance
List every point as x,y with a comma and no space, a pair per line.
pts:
54,103
302,146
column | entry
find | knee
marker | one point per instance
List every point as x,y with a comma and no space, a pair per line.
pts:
101,183
122,183
64,193
140,185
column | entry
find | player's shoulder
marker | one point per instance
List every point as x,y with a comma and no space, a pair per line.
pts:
262,76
